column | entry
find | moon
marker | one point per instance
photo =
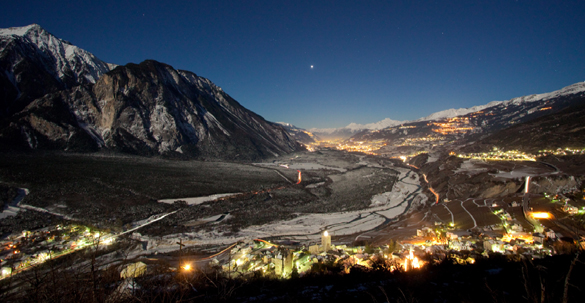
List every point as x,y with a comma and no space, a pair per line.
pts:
311,67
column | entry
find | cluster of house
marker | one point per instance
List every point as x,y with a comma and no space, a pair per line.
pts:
441,241
286,260
567,205
29,248
282,259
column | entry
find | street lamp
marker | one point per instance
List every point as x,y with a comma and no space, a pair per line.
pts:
187,267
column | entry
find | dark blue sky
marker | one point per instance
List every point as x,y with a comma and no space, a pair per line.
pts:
372,59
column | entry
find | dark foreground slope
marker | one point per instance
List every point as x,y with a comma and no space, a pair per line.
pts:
497,279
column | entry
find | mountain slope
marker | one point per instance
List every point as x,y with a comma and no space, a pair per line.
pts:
299,134
148,108
34,63
559,130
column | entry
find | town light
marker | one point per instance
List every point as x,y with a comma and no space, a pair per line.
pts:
186,267
6,271
540,215
107,241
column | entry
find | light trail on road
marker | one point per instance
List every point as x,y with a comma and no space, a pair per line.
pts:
217,254
264,241
431,189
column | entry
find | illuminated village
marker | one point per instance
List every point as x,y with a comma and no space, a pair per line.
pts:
429,244
285,258
31,248
498,155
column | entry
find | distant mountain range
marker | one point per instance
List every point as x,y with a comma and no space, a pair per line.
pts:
354,128
364,131
56,96
563,129
480,122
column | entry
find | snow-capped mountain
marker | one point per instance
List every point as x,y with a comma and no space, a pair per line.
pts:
34,63
148,108
450,113
376,125
353,128
479,121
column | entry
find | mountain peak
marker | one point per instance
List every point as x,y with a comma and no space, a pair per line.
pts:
35,63
22,30
387,122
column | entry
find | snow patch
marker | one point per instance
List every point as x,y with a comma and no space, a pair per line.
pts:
198,200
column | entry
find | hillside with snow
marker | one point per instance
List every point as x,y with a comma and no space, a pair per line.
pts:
480,121
34,63
450,113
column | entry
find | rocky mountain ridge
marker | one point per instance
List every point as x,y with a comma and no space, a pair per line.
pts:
148,108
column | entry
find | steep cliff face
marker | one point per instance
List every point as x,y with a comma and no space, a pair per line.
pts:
164,110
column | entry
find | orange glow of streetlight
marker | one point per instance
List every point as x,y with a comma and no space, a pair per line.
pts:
187,267
540,215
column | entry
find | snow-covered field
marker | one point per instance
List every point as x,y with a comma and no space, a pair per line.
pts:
519,173
470,167
309,226
9,211
198,200
310,166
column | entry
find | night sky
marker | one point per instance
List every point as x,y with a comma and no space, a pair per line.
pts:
371,59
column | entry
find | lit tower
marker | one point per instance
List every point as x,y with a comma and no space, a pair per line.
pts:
326,241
